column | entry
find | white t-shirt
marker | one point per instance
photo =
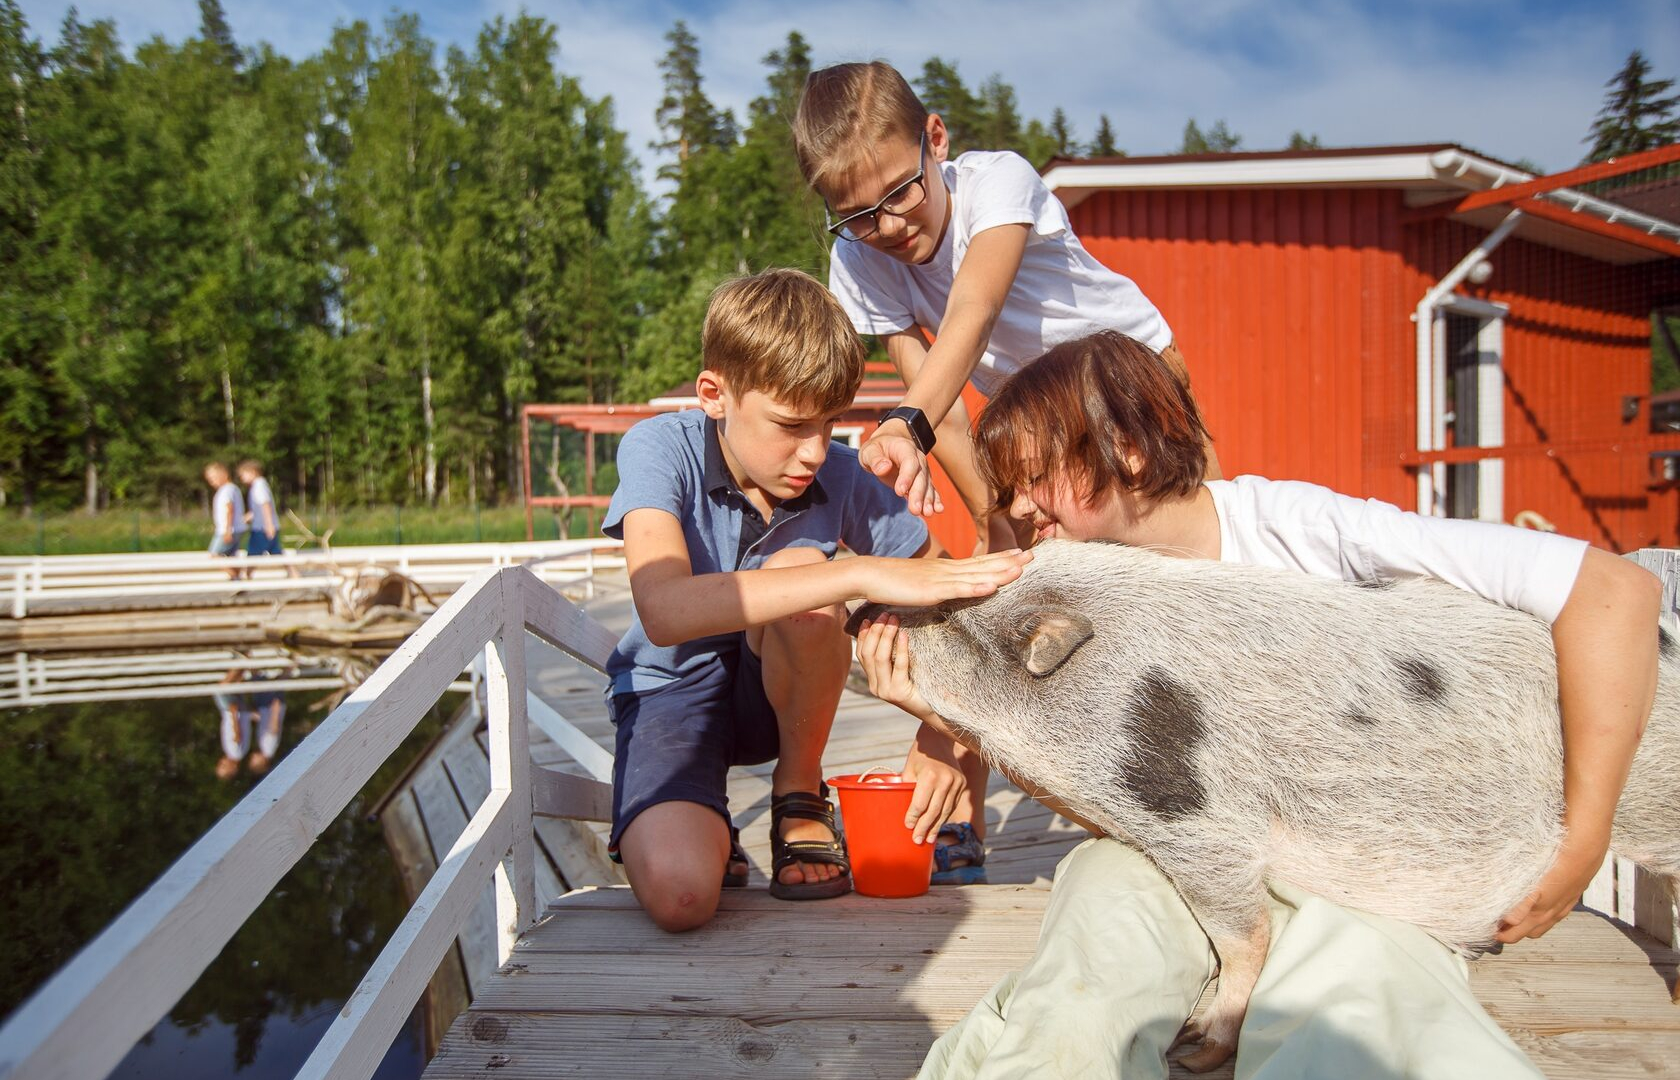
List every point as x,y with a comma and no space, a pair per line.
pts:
1060,293
1299,526
262,495
228,500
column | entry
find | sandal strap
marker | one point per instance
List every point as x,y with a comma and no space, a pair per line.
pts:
802,805
809,851
966,844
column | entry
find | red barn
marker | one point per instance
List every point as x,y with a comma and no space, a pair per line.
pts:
1339,328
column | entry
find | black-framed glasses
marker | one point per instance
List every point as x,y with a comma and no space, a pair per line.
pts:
897,202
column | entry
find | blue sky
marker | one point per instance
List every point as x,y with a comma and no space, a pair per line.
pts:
1512,78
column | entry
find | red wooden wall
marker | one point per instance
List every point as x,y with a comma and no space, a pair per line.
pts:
1293,309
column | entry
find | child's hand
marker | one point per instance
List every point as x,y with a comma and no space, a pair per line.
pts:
896,461
883,651
1577,862
921,582
939,784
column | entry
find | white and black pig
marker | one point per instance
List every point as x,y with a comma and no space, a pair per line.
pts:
1394,747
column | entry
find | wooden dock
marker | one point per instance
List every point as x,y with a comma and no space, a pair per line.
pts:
862,987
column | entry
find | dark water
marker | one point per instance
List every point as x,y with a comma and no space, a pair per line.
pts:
97,800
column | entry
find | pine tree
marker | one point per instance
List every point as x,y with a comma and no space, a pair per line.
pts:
1061,133
1218,139
1000,125
26,400
1103,145
1298,141
214,28
1636,115
941,89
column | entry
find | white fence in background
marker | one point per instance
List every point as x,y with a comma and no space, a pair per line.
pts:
61,583
84,1020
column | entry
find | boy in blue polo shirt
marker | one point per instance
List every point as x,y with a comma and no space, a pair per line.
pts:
730,517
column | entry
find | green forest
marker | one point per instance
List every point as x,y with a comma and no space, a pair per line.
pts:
358,266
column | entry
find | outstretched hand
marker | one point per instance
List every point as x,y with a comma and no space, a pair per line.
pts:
921,582
896,461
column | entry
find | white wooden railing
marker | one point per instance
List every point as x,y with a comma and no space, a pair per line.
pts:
65,582
84,1020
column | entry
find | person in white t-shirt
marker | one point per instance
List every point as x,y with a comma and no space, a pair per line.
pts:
1131,470
976,252
227,512
264,515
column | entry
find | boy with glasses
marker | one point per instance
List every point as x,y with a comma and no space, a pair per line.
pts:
976,251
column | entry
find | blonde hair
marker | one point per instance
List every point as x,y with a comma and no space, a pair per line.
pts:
847,108
781,333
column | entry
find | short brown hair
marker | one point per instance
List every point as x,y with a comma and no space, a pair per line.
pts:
847,108
251,464
780,332
1078,409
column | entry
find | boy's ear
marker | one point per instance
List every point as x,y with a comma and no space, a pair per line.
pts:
711,389
939,139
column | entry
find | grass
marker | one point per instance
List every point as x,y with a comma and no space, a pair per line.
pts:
119,530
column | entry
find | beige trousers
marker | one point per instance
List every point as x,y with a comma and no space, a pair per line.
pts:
1121,961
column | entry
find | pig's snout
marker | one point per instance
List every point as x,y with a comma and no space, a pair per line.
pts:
907,616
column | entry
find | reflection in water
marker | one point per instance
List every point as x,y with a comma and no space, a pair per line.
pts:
250,712
98,798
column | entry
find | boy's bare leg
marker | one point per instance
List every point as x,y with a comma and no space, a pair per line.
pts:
805,659
674,854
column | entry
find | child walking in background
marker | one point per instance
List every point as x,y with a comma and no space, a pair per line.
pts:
264,515
1099,440
227,513
976,252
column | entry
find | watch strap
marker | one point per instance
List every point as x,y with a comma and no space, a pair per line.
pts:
916,420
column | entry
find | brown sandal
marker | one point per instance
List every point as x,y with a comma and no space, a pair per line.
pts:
784,853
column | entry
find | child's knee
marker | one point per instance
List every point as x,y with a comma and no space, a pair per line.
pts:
676,905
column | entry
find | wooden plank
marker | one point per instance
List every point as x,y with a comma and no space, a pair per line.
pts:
95,1008
1653,906
446,816
359,1037
555,794
579,854
446,993
566,626
585,750
508,734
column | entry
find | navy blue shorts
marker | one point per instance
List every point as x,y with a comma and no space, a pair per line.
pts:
263,544
676,743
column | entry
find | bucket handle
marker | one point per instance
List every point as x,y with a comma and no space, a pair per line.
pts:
863,777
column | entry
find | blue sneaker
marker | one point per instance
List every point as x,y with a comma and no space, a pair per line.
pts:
964,844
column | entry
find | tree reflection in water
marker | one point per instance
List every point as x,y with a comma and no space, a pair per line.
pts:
97,800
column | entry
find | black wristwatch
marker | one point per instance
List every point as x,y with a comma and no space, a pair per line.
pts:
916,420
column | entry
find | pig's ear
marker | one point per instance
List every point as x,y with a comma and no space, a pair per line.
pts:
1050,636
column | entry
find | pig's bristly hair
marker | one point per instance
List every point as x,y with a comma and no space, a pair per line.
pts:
1394,749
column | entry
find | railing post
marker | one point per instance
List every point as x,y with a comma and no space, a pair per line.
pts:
510,762
20,582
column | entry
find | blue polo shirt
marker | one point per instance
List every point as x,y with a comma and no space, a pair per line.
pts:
673,462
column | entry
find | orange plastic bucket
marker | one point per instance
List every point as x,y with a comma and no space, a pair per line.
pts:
886,861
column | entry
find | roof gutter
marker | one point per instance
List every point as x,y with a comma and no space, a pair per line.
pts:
1456,165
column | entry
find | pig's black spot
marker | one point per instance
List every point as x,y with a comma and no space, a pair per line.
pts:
1666,645
1359,718
1422,680
1166,723
1375,584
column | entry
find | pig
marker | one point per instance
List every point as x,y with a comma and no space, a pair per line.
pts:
1393,746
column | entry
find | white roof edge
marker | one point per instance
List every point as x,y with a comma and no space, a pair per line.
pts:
1361,169
1451,166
